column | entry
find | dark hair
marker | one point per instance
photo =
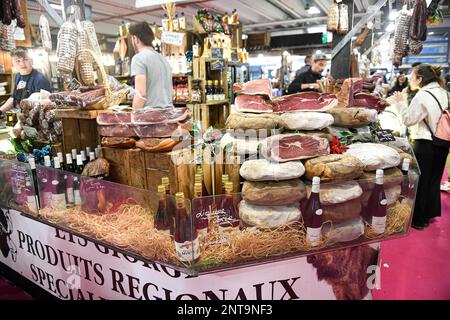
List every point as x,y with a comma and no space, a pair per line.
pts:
428,73
19,53
143,32
415,64
308,59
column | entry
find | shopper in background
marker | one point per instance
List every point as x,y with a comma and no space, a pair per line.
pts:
400,83
28,80
306,67
447,81
307,81
423,115
153,76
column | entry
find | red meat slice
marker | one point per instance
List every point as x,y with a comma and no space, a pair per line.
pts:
109,118
290,147
158,116
305,101
369,101
256,104
261,87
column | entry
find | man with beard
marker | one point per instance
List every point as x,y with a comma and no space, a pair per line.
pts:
153,76
307,80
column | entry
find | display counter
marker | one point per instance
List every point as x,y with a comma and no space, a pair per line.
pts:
196,237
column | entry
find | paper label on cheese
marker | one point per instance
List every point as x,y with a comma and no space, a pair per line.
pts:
383,202
313,235
379,224
188,251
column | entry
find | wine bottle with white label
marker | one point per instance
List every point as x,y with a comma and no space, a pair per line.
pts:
377,205
76,191
61,160
80,165
313,215
186,237
46,182
59,187
74,154
83,157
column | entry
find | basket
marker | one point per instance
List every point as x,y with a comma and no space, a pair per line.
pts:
111,98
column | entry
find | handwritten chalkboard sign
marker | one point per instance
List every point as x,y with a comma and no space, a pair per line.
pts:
218,64
384,135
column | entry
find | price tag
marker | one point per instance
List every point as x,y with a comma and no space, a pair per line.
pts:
172,38
217,64
384,135
73,85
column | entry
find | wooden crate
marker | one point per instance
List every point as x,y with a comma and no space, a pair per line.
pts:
231,166
126,166
79,129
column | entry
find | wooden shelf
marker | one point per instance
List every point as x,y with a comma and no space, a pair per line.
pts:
78,114
213,103
180,75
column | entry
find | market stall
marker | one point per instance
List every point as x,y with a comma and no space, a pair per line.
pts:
232,193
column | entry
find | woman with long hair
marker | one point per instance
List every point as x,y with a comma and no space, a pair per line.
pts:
422,117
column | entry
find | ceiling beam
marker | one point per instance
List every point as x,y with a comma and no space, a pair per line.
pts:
321,5
282,6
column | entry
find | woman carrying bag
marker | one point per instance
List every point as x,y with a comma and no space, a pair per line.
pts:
427,116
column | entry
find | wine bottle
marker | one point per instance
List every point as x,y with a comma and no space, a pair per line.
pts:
91,156
377,205
405,182
80,165
230,218
69,163
69,184
225,179
313,217
201,212
83,157
58,187
32,163
74,154
76,191
199,179
61,160
97,153
47,182
171,206
88,150
186,237
162,219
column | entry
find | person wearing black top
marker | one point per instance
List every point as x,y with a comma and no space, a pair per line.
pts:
27,82
307,81
306,67
400,84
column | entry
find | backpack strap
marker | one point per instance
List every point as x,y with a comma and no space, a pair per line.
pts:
439,104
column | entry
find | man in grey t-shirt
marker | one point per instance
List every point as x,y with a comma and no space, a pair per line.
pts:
153,76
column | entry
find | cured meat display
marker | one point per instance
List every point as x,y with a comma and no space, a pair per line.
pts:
342,212
11,10
401,37
374,156
260,87
273,193
264,170
307,120
156,116
156,144
246,121
256,104
268,216
336,193
124,143
239,145
369,101
334,167
353,117
110,118
289,147
117,130
347,91
162,130
305,101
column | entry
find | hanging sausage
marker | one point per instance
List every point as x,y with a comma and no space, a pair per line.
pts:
11,10
67,48
333,18
401,36
44,30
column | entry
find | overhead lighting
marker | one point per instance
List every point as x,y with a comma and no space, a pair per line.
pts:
319,52
390,27
150,3
260,56
286,53
430,33
393,15
313,10
379,33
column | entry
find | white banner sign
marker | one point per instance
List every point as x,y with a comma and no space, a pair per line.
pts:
70,267
173,38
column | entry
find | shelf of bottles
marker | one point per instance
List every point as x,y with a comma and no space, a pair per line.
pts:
209,233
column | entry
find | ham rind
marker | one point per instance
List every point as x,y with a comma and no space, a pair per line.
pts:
158,116
305,101
290,147
162,130
110,118
254,104
260,87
